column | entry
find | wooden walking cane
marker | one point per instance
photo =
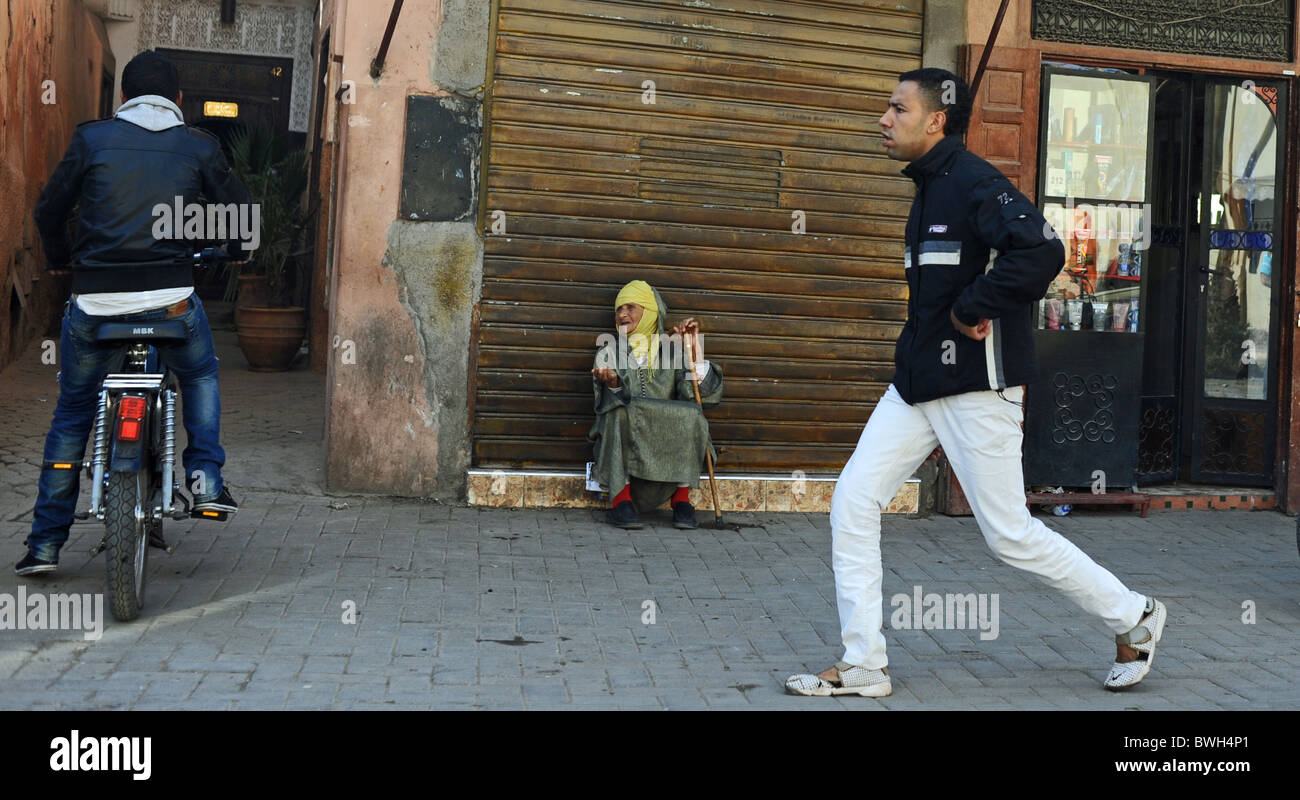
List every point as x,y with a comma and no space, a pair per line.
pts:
708,453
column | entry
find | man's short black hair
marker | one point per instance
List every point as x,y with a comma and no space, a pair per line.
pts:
943,91
151,73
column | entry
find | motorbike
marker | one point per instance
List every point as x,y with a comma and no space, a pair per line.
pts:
132,466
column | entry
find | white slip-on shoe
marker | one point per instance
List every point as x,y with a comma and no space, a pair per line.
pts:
853,680
1143,639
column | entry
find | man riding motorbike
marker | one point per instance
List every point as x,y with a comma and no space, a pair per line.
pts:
118,172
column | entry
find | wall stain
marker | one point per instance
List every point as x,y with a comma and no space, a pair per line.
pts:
438,267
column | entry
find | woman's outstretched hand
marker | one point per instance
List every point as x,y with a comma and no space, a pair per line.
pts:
606,376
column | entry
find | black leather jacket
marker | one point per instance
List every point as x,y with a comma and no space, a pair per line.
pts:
119,172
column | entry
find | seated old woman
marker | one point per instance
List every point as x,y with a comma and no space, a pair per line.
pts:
650,436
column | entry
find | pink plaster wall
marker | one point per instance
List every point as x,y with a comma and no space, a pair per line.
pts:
380,429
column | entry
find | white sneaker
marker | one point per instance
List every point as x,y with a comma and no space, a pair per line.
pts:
1143,639
853,680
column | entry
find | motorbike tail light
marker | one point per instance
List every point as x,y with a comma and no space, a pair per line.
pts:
131,407
130,418
128,430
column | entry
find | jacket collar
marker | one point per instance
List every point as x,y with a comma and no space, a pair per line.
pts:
936,160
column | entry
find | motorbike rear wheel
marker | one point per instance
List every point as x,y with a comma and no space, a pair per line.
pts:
127,510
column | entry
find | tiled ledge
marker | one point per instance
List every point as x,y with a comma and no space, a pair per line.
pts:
1209,500
524,489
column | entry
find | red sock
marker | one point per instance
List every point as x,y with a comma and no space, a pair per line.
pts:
682,495
626,494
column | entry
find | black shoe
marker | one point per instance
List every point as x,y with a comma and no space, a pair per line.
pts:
31,565
684,516
224,503
624,516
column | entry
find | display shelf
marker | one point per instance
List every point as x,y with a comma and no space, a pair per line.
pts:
1092,145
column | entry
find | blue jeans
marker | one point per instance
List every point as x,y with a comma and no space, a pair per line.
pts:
83,367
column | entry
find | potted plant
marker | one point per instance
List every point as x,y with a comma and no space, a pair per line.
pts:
271,327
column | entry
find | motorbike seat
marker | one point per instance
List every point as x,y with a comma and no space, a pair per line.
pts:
165,331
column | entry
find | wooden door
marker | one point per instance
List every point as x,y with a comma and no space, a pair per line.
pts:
260,86
1004,119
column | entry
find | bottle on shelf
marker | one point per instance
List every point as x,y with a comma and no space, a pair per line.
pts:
1138,251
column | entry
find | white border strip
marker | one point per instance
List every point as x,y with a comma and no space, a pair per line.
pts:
810,478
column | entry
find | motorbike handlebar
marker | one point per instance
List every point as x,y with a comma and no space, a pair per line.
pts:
211,256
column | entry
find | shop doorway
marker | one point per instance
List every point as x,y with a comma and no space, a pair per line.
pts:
1214,280
223,91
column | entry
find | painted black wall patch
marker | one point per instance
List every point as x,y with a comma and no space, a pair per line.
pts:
440,169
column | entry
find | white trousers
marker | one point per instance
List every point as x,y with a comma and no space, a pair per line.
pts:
980,433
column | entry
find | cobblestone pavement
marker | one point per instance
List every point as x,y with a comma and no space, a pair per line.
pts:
506,609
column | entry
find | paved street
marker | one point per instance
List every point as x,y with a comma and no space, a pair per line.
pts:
501,609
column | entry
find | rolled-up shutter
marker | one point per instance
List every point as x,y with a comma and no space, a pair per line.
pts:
680,142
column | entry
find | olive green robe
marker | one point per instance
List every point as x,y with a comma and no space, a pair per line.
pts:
650,432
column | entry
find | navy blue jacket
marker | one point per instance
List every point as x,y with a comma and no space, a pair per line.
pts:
117,172
977,248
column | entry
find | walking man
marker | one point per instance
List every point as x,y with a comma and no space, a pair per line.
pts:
977,256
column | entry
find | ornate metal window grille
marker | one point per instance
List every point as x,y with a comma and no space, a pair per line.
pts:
1158,437
1084,408
1235,443
1255,29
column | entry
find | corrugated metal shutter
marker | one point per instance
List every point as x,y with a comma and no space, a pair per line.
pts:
761,108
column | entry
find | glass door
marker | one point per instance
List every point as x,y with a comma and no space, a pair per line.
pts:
1174,163
1082,415
1235,294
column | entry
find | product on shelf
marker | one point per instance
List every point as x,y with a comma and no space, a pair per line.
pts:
1074,309
1099,317
1054,314
1081,260
1119,316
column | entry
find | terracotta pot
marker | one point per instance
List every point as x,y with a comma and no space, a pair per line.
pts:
253,291
271,337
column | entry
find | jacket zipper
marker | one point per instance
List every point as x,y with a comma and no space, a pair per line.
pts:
916,265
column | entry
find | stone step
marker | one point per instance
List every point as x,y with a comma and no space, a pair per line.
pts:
538,489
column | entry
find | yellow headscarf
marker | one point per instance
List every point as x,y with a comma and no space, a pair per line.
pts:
643,336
